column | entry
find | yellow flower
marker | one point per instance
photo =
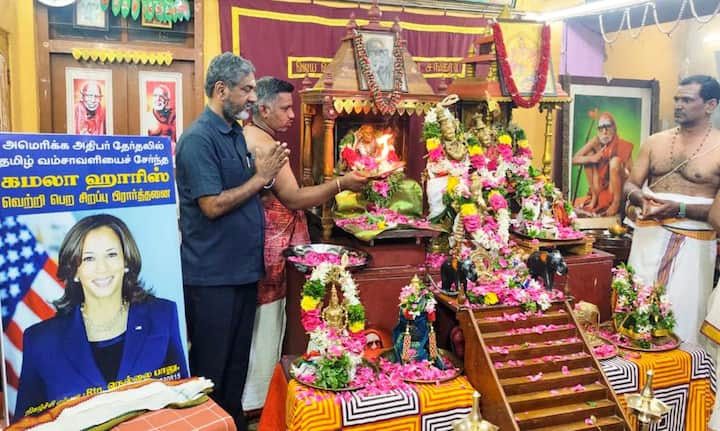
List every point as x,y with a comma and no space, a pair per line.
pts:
504,139
381,225
309,303
475,150
523,143
490,298
468,209
432,143
452,183
357,326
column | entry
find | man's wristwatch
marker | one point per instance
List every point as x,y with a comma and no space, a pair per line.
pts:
681,210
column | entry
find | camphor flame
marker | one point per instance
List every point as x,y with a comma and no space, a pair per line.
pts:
385,143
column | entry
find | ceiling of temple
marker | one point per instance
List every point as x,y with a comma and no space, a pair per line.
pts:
667,10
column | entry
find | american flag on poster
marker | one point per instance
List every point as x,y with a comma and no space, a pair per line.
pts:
27,278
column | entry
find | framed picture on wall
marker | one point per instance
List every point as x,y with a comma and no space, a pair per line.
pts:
89,15
161,107
603,128
154,22
379,47
88,101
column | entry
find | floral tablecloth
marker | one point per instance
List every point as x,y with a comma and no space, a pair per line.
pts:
684,379
428,407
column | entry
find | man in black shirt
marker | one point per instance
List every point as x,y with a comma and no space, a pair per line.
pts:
222,226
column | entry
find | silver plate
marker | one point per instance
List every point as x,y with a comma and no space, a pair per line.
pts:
337,250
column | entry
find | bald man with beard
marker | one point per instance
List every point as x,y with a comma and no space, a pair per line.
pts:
607,160
89,113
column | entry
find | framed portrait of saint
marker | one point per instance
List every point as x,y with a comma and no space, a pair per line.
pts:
603,129
379,47
161,107
88,99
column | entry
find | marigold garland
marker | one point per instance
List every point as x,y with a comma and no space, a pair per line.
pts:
542,70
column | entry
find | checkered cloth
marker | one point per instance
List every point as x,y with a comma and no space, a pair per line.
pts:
207,417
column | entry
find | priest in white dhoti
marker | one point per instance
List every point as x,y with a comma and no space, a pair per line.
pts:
671,189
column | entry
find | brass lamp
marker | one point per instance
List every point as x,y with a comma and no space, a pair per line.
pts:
473,421
645,406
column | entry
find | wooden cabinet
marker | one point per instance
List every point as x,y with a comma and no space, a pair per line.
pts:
588,279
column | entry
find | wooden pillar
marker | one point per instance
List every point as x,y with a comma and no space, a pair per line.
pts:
306,155
328,171
547,150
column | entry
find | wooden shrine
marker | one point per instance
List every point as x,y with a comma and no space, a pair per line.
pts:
536,379
482,86
344,98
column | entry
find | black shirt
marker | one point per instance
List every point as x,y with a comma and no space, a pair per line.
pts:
211,157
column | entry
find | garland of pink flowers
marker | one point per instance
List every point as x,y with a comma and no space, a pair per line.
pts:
386,105
542,70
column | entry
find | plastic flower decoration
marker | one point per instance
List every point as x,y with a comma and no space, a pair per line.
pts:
642,311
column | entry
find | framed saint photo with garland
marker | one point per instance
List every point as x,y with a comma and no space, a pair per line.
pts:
379,61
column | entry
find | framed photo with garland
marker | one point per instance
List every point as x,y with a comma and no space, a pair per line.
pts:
380,49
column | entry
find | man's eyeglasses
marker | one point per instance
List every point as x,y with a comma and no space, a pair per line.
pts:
604,127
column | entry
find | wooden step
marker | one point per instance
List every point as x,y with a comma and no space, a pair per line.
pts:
562,414
501,310
555,380
607,423
555,397
492,324
516,396
503,337
537,350
537,365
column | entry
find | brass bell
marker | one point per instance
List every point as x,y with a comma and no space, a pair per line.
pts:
473,421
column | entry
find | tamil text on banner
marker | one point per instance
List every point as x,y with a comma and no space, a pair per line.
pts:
90,281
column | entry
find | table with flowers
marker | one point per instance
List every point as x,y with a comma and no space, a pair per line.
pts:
293,406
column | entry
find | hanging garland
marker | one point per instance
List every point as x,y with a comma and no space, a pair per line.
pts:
542,70
160,10
385,104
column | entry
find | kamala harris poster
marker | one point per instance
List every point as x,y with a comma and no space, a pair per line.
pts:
90,281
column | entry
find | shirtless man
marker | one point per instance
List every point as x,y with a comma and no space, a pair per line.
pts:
272,114
671,188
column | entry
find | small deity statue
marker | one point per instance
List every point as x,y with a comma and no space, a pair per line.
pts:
453,147
335,314
476,189
480,130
